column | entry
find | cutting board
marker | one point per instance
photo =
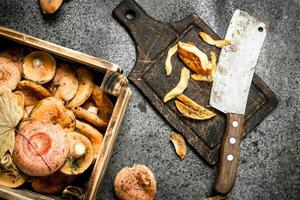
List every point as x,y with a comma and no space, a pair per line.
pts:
153,40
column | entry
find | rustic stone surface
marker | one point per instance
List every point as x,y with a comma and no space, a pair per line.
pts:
269,155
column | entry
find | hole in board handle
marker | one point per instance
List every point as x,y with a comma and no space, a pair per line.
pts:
129,15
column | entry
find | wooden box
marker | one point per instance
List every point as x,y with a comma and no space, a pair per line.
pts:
106,74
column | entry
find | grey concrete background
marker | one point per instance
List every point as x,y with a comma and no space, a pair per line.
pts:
270,161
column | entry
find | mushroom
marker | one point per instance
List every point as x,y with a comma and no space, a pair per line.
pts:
93,134
39,67
53,184
10,75
85,88
10,176
90,106
194,58
90,117
15,54
52,110
137,182
64,84
80,156
32,92
103,103
40,148
50,6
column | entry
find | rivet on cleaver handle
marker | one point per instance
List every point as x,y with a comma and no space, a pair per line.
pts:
231,87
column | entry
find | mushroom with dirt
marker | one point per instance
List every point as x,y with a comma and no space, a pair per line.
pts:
64,84
81,154
137,182
39,67
10,75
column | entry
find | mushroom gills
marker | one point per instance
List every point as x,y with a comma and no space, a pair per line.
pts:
85,88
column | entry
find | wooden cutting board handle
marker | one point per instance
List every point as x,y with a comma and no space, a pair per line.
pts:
229,154
143,28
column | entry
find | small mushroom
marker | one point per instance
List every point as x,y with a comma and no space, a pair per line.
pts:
39,67
53,184
52,110
103,103
90,117
10,176
137,182
85,88
50,6
64,84
16,54
40,148
93,134
10,75
80,156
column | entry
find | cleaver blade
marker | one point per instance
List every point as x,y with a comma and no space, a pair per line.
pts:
231,87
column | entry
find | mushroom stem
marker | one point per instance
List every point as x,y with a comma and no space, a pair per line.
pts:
6,161
93,109
78,150
37,63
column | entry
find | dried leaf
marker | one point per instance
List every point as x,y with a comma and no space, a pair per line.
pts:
168,65
179,144
10,115
194,58
181,86
191,109
209,40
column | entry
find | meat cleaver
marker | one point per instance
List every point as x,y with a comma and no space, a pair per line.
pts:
230,90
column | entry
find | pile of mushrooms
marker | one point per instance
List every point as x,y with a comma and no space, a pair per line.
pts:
59,136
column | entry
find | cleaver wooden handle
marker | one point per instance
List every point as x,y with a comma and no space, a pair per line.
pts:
229,154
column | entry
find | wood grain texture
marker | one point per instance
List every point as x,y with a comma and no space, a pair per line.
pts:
153,39
230,148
